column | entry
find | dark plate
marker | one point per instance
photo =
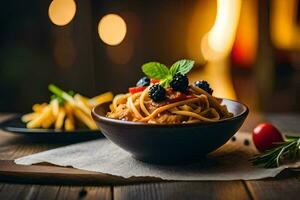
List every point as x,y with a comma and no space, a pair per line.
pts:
169,144
15,125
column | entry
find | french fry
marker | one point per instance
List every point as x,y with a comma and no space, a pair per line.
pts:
69,124
37,122
102,98
28,117
84,100
60,118
68,108
55,107
39,107
47,122
86,119
80,104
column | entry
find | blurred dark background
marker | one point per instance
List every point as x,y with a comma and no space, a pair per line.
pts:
247,49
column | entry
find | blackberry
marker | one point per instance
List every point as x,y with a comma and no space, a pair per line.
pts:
145,81
180,82
204,86
157,93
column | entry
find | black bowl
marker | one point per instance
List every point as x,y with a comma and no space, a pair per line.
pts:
170,144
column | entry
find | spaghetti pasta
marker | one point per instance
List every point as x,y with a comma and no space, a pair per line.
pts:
194,106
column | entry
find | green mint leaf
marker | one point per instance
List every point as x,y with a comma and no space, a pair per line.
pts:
182,66
155,70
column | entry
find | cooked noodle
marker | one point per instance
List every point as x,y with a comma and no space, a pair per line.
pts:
197,106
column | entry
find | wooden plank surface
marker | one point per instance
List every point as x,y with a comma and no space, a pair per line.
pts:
183,190
273,189
74,192
25,191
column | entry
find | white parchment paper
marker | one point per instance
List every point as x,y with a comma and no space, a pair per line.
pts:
230,162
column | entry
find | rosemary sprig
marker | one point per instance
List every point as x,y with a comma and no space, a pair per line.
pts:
287,150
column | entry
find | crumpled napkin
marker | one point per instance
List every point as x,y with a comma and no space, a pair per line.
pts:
230,162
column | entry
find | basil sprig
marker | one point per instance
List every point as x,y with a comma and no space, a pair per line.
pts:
156,70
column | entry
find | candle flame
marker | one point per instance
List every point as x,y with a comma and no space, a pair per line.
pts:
218,42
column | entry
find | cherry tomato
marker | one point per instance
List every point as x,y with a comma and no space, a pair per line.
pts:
265,136
133,90
154,81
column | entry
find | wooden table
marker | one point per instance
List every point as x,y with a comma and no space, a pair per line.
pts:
286,186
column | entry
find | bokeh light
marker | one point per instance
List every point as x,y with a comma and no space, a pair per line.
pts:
112,29
285,29
218,42
61,12
246,42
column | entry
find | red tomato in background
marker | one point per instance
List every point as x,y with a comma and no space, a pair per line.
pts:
154,81
265,136
134,90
